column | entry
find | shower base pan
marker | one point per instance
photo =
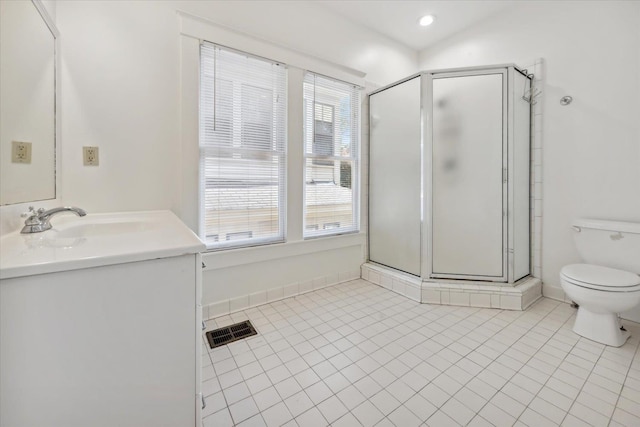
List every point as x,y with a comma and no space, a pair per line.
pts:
504,296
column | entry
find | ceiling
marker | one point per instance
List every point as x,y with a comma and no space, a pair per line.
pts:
398,20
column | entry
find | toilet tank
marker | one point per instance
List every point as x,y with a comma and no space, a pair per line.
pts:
609,243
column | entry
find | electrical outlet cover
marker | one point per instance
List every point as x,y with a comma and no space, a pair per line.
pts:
20,152
90,156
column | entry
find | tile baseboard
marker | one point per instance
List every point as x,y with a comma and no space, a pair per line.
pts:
243,302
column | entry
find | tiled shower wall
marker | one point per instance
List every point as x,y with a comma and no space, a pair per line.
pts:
364,162
536,167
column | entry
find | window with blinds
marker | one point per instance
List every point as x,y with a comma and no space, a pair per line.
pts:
331,137
242,148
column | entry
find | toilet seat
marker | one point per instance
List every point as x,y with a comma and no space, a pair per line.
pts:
601,278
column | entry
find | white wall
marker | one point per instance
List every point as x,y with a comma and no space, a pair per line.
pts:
591,149
121,87
50,6
120,93
122,84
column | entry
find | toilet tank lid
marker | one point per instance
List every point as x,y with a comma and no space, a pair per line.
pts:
601,224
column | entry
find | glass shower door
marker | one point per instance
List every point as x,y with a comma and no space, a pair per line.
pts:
394,177
468,192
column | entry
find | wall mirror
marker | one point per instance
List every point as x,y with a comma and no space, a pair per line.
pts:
28,124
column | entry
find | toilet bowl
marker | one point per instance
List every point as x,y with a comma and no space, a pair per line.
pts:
608,283
601,293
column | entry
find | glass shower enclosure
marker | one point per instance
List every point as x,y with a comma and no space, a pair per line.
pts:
449,174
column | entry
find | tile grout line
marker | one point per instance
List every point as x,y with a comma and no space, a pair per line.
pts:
477,413
477,309
508,380
246,379
398,378
574,400
350,411
310,367
441,372
336,307
500,311
556,369
587,380
636,353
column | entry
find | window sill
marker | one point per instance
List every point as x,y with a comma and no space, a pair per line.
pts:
241,256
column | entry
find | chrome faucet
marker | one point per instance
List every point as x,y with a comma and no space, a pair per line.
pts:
38,220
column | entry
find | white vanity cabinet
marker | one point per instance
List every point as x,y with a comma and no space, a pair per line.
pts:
107,345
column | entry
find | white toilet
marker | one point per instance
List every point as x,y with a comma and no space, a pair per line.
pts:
609,284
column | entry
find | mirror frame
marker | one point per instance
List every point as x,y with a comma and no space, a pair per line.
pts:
50,23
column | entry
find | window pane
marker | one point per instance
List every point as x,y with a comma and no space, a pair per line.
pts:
257,116
331,123
243,117
329,198
220,135
323,132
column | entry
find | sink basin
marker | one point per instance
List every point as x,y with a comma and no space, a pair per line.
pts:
96,240
101,229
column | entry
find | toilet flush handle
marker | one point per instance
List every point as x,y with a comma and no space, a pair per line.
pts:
576,228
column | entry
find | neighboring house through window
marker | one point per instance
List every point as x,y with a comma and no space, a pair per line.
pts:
323,132
331,138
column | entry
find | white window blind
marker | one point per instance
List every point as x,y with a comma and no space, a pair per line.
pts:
331,138
242,148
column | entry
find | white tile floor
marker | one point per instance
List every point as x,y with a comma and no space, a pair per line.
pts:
357,354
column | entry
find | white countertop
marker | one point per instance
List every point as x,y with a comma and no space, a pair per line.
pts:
96,240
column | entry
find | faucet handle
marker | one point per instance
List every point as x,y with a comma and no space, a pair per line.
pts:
31,212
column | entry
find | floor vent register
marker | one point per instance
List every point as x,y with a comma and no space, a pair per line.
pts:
229,334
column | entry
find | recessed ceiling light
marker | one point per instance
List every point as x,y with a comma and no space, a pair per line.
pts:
427,20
